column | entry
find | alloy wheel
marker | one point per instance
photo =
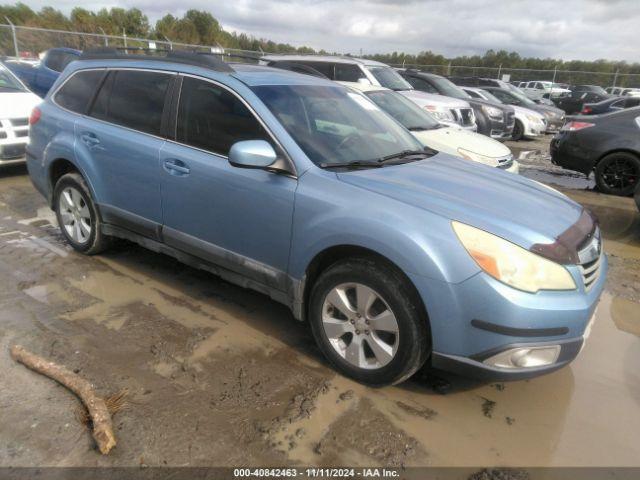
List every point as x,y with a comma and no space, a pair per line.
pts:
620,174
75,215
360,325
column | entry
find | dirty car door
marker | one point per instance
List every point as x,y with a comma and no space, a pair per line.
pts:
237,218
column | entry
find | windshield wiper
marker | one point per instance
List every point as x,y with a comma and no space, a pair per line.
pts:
352,164
406,153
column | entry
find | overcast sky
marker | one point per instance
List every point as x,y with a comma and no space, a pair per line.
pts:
566,29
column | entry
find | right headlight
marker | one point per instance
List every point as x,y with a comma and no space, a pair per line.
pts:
534,119
440,113
511,264
493,112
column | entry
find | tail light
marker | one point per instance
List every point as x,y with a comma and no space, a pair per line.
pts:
35,116
575,126
586,110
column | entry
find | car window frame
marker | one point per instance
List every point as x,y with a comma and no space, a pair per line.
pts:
173,122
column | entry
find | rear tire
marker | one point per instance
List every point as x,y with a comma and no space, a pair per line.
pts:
618,174
78,216
518,131
368,322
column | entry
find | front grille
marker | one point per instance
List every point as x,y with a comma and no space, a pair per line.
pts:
590,258
467,117
12,151
505,163
19,122
21,133
3,135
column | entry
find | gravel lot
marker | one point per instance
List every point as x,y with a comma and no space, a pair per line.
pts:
218,376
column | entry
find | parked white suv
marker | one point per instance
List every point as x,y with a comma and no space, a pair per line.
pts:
16,103
451,111
529,123
535,90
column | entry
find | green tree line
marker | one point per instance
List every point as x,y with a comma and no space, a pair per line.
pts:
201,28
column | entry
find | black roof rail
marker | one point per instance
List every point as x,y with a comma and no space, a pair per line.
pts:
296,67
200,59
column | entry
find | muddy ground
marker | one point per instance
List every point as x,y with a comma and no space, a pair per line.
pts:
220,376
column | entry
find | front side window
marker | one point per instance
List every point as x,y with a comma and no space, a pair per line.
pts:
333,125
345,72
213,119
134,99
77,91
389,78
420,84
324,68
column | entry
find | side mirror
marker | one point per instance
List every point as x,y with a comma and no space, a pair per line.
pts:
364,81
252,154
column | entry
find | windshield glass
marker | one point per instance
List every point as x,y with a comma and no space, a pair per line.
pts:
490,97
450,89
8,81
520,98
403,110
335,126
389,78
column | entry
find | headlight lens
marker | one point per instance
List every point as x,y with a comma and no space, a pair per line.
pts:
534,119
476,157
493,112
511,264
440,113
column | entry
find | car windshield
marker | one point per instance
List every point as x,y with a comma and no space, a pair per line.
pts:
403,110
8,82
389,78
520,98
513,88
490,97
335,126
450,89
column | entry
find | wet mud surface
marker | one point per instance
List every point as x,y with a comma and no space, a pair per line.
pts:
217,375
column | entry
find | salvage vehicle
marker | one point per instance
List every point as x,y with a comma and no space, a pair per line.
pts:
608,145
451,111
16,103
611,104
494,120
435,135
581,94
39,77
554,116
527,123
537,88
306,191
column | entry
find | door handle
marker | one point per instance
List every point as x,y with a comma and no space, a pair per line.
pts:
176,167
90,139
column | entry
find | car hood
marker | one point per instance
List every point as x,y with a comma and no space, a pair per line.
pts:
422,99
527,111
515,208
448,140
17,104
547,109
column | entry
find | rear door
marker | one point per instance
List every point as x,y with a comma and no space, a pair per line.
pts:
234,217
121,139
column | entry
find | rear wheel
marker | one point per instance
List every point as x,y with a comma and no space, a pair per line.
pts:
77,215
618,173
367,322
518,131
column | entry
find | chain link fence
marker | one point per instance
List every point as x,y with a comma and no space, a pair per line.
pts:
28,42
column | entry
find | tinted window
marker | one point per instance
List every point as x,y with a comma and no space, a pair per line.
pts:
78,90
323,67
389,78
58,60
133,99
473,94
348,73
420,84
211,118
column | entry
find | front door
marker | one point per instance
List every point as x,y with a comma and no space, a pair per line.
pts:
237,218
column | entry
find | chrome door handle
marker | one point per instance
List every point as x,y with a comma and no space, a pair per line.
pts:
176,167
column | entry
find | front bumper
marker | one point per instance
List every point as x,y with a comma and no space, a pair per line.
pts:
571,154
534,129
12,152
480,317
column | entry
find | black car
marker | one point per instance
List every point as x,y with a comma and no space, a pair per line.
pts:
554,116
494,120
611,104
580,94
607,144
636,196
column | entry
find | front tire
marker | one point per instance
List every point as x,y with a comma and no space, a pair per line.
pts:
78,216
618,174
518,131
368,322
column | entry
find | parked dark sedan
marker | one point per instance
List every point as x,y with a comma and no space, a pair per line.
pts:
554,116
611,104
607,144
494,120
637,196
580,94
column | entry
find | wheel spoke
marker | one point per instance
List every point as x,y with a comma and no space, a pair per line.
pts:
354,353
338,298
85,228
66,199
364,298
385,321
77,232
335,328
382,351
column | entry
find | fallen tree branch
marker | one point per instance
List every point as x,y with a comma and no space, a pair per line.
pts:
100,417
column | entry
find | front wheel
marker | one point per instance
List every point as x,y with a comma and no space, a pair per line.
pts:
618,174
77,215
518,131
368,323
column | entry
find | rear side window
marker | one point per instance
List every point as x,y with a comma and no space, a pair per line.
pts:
56,61
323,67
348,73
134,99
213,119
77,91
420,84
